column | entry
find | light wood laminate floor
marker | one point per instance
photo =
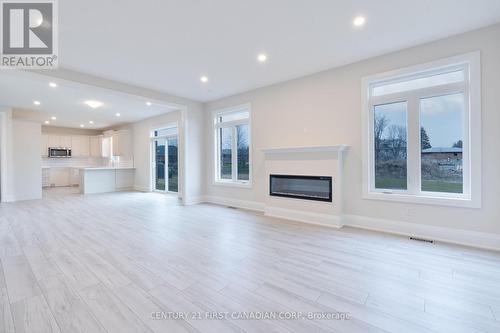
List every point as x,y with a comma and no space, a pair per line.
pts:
130,262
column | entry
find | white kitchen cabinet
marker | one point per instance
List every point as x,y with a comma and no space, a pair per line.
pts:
96,146
54,141
59,176
102,180
80,146
74,177
106,147
44,145
85,146
45,177
65,141
122,143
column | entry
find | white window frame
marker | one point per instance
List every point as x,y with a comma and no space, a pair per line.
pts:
152,139
234,182
471,88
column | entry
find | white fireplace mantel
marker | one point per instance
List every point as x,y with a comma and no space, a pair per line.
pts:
310,161
309,149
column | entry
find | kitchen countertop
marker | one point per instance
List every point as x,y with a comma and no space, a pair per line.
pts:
107,168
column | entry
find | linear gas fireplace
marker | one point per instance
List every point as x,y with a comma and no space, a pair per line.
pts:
316,188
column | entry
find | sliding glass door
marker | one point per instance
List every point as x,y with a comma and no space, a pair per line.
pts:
160,183
165,164
173,171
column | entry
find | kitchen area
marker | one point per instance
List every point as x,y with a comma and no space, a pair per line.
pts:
87,161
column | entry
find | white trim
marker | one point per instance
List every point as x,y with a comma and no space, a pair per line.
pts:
174,124
142,189
3,157
448,235
326,220
193,200
231,183
243,204
183,151
471,198
9,198
429,199
312,149
234,182
231,109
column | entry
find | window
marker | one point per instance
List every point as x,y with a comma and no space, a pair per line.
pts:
421,133
232,138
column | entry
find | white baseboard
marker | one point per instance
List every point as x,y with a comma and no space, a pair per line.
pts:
448,235
442,234
8,198
141,188
243,204
194,200
326,220
21,197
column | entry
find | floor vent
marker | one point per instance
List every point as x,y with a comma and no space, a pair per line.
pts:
422,240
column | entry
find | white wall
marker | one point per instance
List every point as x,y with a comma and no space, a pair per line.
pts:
325,109
5,148
26,171
196,162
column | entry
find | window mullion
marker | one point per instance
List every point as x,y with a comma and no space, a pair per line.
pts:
234,154
218,142
413,145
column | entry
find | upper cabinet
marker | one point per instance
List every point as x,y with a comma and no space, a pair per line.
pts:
44,145
122,143
80,146
96,146
54,141
59,141
65,141
117,142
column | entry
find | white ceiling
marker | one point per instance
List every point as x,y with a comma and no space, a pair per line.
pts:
66,102
166,45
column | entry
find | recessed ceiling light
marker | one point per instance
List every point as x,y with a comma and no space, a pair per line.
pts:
53,84
359,21
93,104
47,122
36,102
204,79
91,122
262,57
117,114
149,103
82,125
53,118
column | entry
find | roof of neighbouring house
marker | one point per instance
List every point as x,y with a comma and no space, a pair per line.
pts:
442,150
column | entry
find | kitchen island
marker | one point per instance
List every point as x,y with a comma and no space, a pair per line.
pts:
106,179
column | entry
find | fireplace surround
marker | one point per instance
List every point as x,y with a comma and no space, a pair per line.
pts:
314,174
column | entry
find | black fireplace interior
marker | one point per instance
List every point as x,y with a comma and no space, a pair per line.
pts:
316,188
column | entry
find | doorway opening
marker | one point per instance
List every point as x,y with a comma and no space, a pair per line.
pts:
165,159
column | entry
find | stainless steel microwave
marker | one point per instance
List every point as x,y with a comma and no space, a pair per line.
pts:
59,152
